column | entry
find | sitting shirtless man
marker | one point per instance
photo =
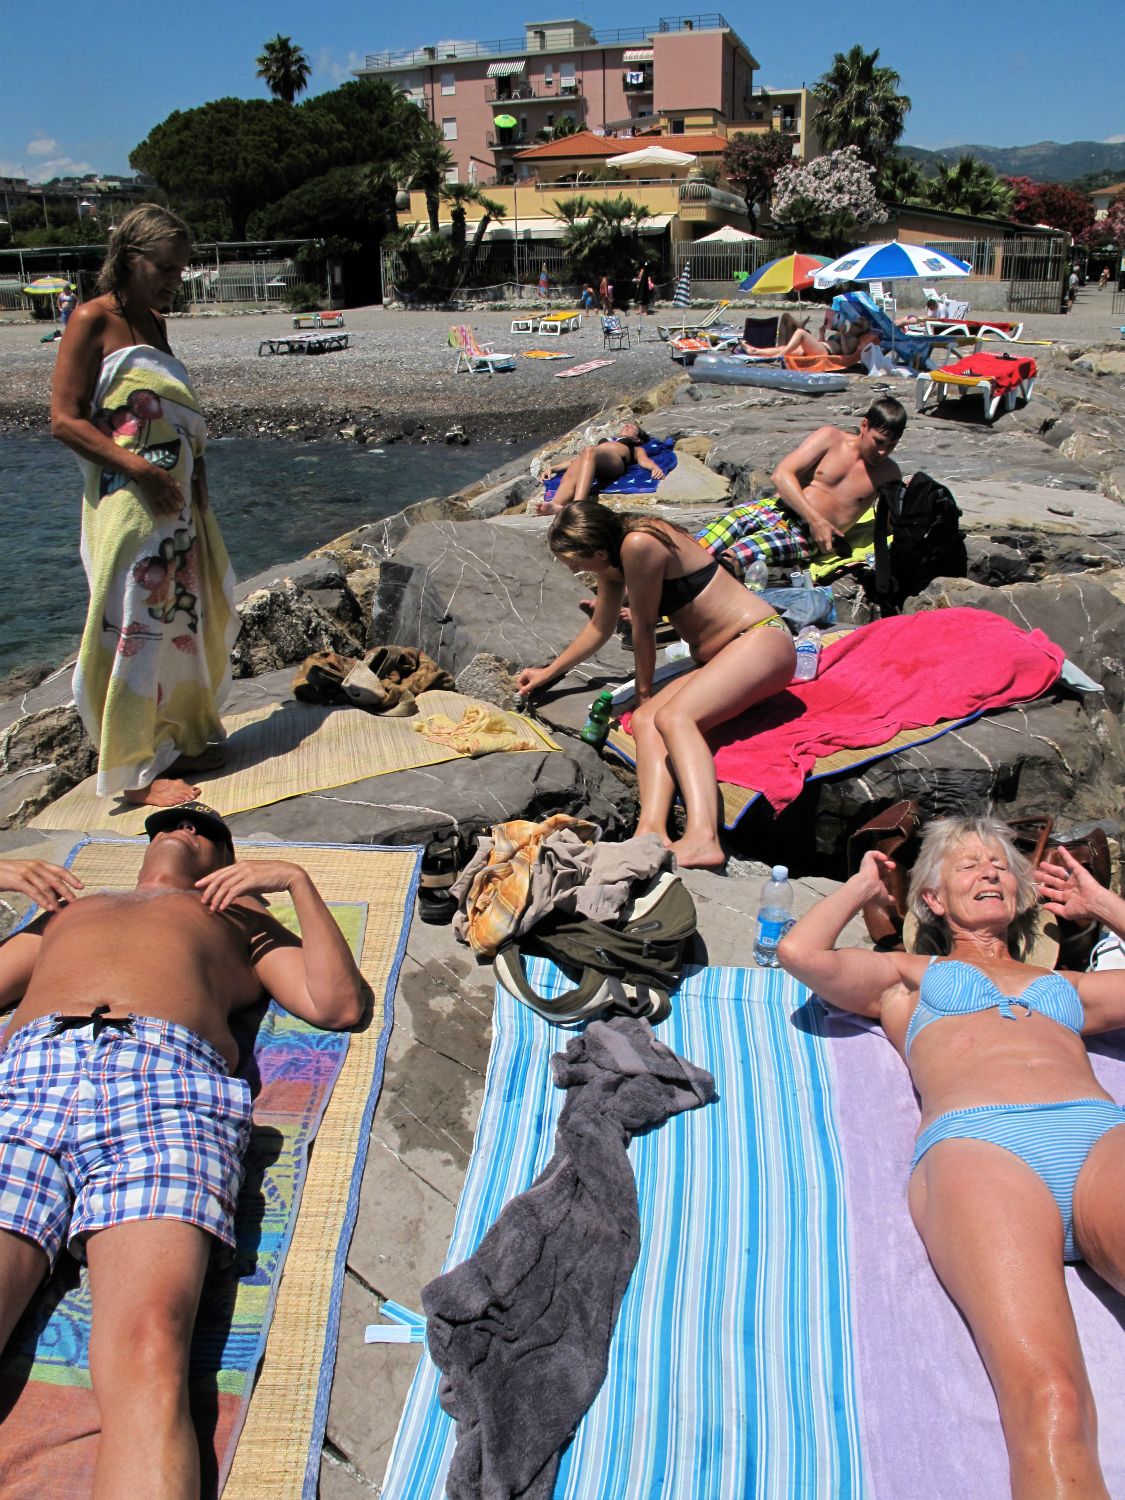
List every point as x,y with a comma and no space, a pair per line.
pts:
122,1131
823,487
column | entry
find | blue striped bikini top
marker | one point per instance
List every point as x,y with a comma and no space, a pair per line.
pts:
951,987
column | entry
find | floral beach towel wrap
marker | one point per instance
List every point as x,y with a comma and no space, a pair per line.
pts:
154,663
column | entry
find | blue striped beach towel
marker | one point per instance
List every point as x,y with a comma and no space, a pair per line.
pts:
731,1370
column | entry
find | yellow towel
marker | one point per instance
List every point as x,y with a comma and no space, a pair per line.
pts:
480,731
154,663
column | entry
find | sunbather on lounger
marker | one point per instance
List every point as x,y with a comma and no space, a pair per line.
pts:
823,487
122,1131
601,463
848,341
1019,1163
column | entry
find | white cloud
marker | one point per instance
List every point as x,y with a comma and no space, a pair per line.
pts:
43,146
326,66
1114,140
60,166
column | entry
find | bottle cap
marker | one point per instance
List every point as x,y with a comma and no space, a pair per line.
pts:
779,872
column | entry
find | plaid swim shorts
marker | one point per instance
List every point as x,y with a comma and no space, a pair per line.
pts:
106,1123
762,529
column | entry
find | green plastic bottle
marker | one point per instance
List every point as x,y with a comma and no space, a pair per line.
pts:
596,728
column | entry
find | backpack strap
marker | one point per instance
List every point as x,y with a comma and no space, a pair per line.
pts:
882,539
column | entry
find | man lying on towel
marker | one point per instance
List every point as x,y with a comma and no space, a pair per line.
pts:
823,487
122,1131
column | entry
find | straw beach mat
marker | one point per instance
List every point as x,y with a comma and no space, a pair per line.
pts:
287,750
264,1429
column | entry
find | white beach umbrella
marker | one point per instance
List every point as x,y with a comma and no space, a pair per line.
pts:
727,235
891,260
651,156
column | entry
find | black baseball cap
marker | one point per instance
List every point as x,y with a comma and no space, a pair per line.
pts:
204,820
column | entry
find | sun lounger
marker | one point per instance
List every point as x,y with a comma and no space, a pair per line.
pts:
907,348
318,320
303,343
1002,379
685,348
558,323
478,359
691,325
972,328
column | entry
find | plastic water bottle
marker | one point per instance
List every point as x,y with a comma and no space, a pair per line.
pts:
808,654
775,917
596,728
757,575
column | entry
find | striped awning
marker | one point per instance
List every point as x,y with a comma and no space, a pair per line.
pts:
506,69
637,54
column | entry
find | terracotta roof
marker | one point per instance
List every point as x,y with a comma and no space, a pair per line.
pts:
586,143
1113,189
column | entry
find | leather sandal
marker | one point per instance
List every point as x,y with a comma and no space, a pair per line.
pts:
440,860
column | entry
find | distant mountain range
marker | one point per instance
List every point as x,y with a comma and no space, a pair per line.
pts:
1049,161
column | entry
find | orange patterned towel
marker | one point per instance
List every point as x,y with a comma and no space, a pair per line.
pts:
500,889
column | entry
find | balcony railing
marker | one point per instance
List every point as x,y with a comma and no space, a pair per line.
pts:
634,84
510,140
459,51
518,93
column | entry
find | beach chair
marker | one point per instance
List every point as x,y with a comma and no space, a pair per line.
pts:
686,325
685,349
478,359
1002,379
558,323
615,334
907,348
760,333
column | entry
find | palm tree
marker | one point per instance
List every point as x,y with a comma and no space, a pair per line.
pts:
459,195
969,187
426,167
603,236
901,181
860,105
284,67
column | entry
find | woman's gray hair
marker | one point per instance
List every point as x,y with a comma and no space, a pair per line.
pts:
940,840
141,230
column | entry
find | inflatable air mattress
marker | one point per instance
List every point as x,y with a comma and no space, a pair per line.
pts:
731,369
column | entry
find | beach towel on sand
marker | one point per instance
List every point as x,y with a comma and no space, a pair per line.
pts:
154,663
891,675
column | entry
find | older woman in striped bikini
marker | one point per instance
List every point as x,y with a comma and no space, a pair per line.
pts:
1019,1163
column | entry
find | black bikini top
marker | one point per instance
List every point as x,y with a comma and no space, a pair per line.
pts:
678,592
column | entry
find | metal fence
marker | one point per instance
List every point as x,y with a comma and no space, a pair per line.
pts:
260,281
723,262
1036,273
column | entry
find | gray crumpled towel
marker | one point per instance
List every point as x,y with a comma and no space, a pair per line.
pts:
521,1330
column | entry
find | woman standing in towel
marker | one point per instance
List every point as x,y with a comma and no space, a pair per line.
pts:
154,663
744,650
1019,1164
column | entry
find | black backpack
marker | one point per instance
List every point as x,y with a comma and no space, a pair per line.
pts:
922,522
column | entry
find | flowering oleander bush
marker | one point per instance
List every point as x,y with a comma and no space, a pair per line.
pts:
840,185
825,201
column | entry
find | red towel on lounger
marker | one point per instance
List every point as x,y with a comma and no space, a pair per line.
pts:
1006,371
901,673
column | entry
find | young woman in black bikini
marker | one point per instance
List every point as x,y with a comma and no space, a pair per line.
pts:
600,464
743,648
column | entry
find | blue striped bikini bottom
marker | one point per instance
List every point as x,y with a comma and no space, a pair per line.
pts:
1053,1139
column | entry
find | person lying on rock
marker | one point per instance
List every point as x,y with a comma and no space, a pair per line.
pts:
823,487
122,1021
1019,1164
599,464
744,650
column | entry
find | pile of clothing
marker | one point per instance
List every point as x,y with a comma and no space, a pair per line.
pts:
385,681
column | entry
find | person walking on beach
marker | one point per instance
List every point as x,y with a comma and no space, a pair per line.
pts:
67,302
154,663
645,288
605,292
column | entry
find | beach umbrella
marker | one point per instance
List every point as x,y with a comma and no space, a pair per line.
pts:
47,286
791,273
543,283
682,295
892,260
727,235
651,156
505,122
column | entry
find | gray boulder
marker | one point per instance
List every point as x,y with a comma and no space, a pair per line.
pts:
282,624
44,749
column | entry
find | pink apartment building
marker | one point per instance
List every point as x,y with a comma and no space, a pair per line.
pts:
685,75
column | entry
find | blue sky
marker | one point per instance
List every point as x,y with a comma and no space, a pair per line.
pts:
87,83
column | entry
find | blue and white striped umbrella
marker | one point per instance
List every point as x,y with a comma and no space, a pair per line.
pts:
891,261
682,297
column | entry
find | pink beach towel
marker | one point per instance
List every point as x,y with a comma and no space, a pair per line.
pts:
901,673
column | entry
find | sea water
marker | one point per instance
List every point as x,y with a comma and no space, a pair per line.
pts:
275,501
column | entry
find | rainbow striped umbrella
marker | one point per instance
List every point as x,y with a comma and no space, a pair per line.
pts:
790,273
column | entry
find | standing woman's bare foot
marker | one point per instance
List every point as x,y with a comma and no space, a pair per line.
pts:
165,791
